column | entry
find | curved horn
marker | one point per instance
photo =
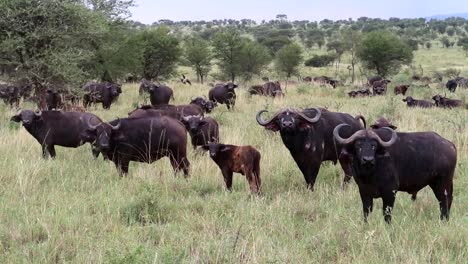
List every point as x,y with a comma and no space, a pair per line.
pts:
308,119
19,112
91,126
345,141
383,143
361,117
38,113
204,97
262,122
116,126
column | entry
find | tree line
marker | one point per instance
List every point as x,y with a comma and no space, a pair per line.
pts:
69,42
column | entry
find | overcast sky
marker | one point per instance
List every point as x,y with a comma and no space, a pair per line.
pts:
149,11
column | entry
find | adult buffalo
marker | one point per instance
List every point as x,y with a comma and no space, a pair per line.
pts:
204,103
223,94
411,102
406,162
373,79
360,93
160,94
141,140
273,89
202,130
151,112
444,102
51,128
105,93
53,99
380,87
451,85
10,94
308,135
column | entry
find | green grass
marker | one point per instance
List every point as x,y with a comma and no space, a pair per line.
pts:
76,209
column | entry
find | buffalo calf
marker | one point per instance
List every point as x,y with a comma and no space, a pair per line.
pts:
241,159
401,89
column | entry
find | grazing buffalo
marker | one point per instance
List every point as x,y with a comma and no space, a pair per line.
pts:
223,94
406,162
360,93
451,85
141,140
241,159
202,130
10,95
307,79
308,135
410,102
52,128
373,79
444,102
324,80
105,93
53,99
205,104
462,82
401,89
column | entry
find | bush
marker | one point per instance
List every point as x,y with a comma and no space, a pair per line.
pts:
320,60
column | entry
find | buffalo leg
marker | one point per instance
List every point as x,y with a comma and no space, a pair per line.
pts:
414,196
310,174
178,164
227,175
50,150
122,166
45,151
388,199
443,193
367,204
346,166
228,105
95,152
253,180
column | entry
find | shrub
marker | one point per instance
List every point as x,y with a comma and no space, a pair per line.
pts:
320,60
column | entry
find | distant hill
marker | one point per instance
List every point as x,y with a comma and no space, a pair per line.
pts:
442,17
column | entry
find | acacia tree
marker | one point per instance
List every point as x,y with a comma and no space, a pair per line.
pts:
288,59
254,58
384,52
352,39
198,55
228,51
161,52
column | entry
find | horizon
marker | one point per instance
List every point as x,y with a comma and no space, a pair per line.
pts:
148,11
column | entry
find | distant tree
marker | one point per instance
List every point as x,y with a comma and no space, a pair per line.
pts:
337,44
198,55
412,43
445,42
273,38
161,52
227,49
320,60
384,52
314,36
463,42
428,45
254,58
450,31
288,59
352,40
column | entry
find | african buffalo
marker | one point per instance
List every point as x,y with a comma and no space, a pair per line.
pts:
53,99
444,102
451,85
272,89
160,94
401,89
410,102
105,93
323,80
241,159
205,104
10,94
360,93
308,135
373,79
406,162
52,128
151,112
380,87
383,122
141,140
202,130
223,94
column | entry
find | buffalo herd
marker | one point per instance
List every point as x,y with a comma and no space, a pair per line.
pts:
381,160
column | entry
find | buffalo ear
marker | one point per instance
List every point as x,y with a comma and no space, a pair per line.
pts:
392,127
404,100
16,118
89,135
272,126
304,125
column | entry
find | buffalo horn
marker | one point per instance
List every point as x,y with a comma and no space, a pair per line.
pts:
383,143
345,141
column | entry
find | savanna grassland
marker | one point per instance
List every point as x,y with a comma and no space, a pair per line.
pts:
76,209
